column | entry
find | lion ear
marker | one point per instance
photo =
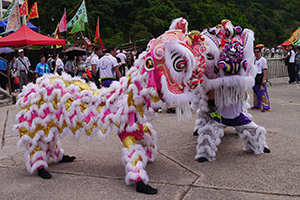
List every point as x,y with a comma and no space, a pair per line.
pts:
179,24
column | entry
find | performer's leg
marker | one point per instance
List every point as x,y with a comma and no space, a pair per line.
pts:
36,155
208,140
135,159
265,97
58,153
254,138
256,96
149,141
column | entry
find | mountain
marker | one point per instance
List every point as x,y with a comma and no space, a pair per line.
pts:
273,21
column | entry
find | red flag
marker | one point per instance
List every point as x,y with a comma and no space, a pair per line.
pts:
58,32
97,32
34,13
97,35
63,23
24,9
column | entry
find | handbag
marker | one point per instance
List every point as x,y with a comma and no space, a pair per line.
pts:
286,62
258,79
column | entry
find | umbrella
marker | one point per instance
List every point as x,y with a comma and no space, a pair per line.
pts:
6,50
75,51
260,45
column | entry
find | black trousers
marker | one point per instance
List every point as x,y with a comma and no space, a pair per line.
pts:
292,72
3,80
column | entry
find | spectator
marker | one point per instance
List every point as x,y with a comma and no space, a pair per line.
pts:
291,64
13,74
3,69
69,66
22,65
59,68
122,57
80,66
260,94
272,52
109,67
297,58
51,63
42,67
95,67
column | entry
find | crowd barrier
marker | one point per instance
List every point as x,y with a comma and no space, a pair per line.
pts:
276,68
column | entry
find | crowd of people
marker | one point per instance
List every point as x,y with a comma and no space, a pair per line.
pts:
96,66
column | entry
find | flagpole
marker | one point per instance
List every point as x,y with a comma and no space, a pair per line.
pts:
65,10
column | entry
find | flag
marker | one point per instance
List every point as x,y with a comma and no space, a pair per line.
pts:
97,35
13,22
81,10
63,23
129,39
79,25
6,13
24,9
97,32
294,38
34,13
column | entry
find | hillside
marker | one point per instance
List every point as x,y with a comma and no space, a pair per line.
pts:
273,21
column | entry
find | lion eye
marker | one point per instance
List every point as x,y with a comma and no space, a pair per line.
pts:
179,63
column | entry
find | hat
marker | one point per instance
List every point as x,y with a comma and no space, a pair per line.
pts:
20,50
50,55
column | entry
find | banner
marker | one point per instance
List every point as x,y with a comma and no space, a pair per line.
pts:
79,25
34,13
63,23
97,35
6,13
81,10
13,22
295,37
24,9
97,32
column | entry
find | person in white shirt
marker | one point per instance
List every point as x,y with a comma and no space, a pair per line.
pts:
94,63
122,57
291,64
59,68
109,67
260,94
22,64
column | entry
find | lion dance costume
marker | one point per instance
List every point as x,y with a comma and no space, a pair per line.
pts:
59,105
221,98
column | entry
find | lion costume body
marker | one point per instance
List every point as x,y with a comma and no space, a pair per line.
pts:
221,99
59,105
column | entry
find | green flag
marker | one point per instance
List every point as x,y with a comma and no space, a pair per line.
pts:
79,25
81,9
6,13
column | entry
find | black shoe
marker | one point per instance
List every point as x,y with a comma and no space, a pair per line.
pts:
196,133
44,174
266,150
67,158
146,189
202,159
171,110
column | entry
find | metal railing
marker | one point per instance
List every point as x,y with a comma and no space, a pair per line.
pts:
276,68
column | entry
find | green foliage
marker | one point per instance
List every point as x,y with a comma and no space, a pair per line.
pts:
273,21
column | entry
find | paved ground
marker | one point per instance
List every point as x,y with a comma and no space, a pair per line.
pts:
98,172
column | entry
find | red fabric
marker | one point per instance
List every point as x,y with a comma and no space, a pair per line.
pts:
25,36
286,43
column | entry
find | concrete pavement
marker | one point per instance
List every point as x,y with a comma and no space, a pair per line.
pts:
98,173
